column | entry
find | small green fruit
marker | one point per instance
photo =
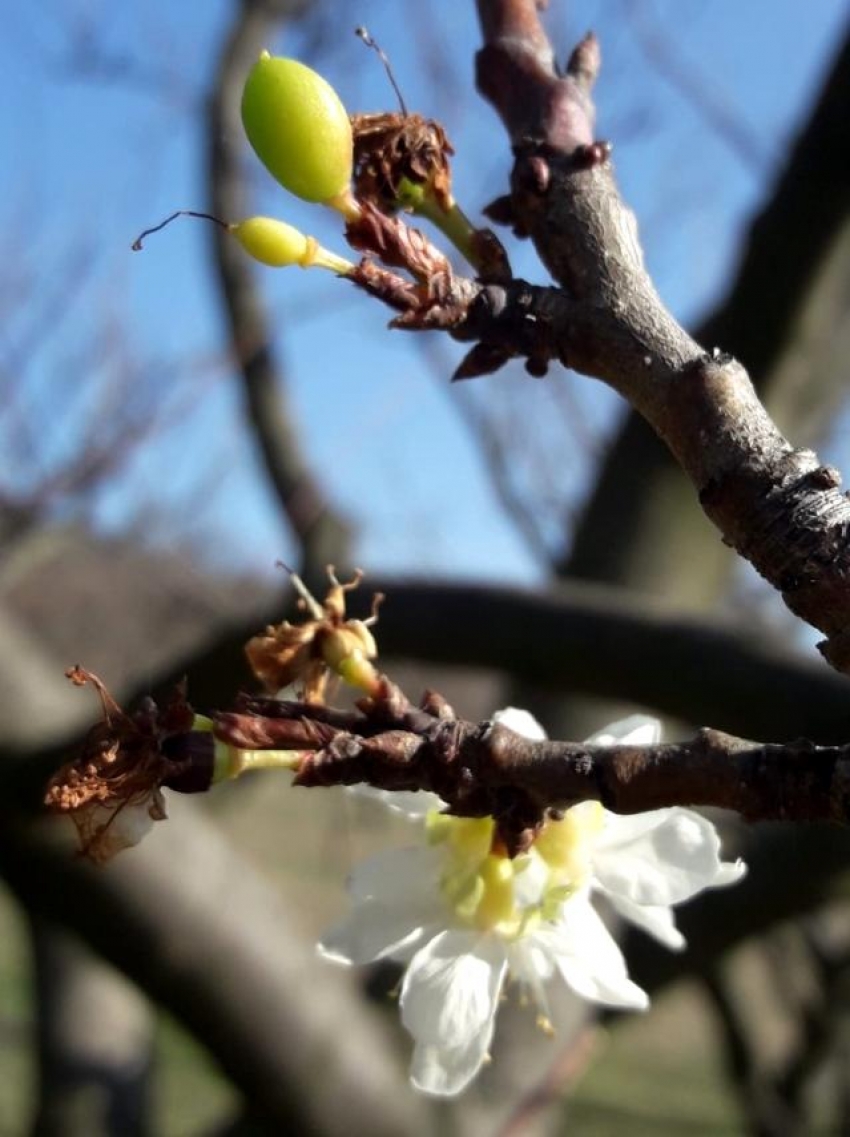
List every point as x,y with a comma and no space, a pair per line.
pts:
298,128
273,242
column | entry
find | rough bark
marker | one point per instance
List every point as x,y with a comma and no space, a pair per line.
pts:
779,507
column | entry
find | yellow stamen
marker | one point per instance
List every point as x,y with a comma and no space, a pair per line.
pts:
545,1025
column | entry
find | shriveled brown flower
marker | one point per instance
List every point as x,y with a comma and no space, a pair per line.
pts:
392,148
112,791
305,655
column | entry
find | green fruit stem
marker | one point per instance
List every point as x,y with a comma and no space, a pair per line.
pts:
232,762
346,204
452,223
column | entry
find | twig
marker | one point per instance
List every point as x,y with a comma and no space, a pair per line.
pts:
482,769
556,1083
802,220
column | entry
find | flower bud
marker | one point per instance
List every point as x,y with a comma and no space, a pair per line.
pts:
298,128
347,651
353,639
274,243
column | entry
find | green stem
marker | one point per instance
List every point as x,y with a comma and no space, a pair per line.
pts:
454,224
231,762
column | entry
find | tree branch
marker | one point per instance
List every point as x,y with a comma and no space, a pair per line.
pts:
485,769
779,507
589,638
322,534
289,1031
759,321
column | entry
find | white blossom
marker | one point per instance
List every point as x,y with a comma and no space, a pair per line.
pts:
462,914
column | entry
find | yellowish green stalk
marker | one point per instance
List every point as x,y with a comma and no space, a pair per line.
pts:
232,761
346,204
454,224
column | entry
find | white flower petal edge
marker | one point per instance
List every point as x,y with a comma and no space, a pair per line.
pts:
588,958
376,931
393,905
393,877
520,721
635,730
663,857
657,920
448,1003
413,805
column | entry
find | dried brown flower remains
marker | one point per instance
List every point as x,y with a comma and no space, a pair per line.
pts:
305,655
112,791
391,149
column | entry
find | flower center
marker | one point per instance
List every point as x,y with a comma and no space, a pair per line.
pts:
488,890
566,844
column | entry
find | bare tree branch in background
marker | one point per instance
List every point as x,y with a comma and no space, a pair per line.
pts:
766,1114
584,637
323,536
130,411
292,1037
95,1043
810,975
72,422
701,91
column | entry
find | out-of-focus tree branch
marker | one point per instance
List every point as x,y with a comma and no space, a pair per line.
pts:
766,1114
321,533
95,1043
286,1028
699,90
594,639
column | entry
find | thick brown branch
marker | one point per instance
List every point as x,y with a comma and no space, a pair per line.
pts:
780,508
767,312
485,769
592,639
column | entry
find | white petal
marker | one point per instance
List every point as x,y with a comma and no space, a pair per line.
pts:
531,879
588,958
374,931
531,965
411,804
451,985
636,730
446,1071
662,857
448,1003
393,876
730,872
655,919
529,960
521,722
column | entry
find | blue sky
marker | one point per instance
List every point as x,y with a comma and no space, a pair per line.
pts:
90,158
